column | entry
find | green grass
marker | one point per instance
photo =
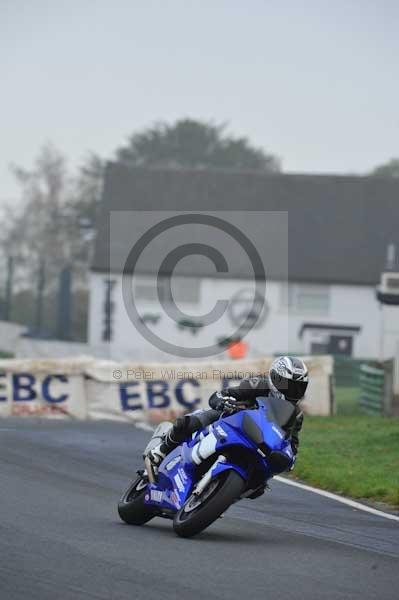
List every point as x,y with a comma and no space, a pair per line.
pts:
347,400
355,456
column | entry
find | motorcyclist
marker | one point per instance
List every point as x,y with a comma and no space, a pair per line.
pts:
288,380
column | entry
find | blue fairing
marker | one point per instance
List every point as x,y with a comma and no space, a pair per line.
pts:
249,429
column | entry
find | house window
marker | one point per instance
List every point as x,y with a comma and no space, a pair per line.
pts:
184,290
306,298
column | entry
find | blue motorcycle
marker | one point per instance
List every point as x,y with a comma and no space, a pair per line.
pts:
231,459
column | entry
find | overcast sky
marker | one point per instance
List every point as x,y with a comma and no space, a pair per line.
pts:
314,81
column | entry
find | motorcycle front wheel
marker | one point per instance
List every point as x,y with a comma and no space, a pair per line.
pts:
200,511
132,508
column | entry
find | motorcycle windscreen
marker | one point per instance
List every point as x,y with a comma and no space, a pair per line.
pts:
279,411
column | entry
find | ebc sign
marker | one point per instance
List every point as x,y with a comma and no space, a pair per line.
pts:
187,394
159,394
26,387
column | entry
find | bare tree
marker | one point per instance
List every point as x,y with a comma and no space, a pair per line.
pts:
55,211
50,229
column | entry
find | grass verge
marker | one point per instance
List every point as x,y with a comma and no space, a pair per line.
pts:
348,400
357,456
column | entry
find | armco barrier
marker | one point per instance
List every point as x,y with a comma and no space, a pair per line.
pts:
376,388
372,389
347,371
86,388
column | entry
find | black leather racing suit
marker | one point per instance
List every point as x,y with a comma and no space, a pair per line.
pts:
247,392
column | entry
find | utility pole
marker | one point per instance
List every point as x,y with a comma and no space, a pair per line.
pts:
9,286
39,299
64,304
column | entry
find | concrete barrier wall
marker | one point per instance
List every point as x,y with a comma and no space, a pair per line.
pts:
87,388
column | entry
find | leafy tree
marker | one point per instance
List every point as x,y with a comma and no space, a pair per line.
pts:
388,169
88,188
194,144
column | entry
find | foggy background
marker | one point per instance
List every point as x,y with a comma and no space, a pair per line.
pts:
310,81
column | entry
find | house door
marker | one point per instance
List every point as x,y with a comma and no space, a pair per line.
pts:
341,344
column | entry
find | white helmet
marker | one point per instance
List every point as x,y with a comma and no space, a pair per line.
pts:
289,376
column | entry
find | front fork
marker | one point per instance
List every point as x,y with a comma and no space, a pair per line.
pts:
218,467
207,477
150,470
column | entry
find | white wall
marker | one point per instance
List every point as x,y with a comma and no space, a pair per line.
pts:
349,305
9,336
352,306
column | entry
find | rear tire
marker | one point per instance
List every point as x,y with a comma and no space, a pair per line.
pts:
189,523
132,508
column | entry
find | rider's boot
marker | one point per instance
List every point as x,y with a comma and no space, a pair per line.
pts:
157,454
182,428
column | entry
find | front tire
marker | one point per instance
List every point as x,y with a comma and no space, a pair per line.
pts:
132,508
217,497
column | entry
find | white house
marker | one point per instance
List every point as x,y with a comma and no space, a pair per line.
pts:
321,242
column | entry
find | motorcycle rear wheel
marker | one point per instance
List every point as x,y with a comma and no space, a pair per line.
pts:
199,512
132,508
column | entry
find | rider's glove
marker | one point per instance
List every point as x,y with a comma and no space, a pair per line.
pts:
232,405
229,405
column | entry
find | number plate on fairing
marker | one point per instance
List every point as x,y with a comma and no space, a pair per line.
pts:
156,495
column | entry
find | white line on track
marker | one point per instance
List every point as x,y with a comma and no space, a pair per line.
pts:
346,501
144,426
9,429
308,488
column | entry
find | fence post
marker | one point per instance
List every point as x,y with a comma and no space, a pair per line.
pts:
395,399
388,387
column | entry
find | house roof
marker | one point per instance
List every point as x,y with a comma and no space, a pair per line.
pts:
338,226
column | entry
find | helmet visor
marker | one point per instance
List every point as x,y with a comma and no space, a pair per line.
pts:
294,390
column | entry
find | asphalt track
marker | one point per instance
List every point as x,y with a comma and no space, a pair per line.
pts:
61,537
